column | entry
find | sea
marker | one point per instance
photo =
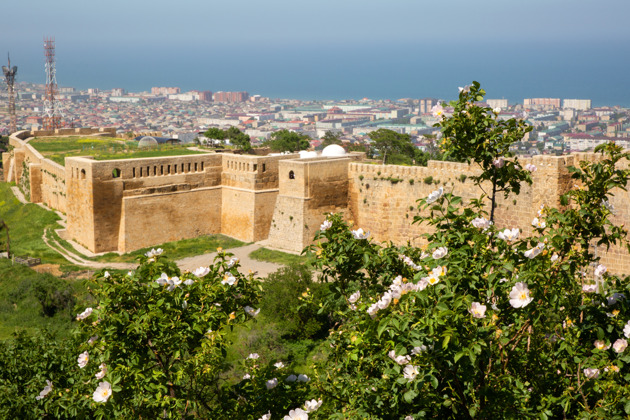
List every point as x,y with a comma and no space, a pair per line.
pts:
599,71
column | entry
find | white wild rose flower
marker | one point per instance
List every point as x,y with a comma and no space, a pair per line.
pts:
608,205
354,297
601,345
271,383
535,251
83,359
440,252
103,372
614,298
509,235
229,279
297,414
360,234
600,270
372,310
620,345
201,271
303,378
266,416
279,365
481,223
401,360
477,310
103,392
435,195
589,288
326,225
499,162
291,378
251,311
253,356
233,261
162,280
591,373
438,111
531,167
312,405
154,253
173,282
87,312
410,372
45,391
519,296
626,330
539,223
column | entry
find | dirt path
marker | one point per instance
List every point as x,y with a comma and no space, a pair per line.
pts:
261,267
77,260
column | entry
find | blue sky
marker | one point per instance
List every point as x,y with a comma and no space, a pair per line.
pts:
141,42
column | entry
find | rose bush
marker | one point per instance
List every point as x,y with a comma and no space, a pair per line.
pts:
482,322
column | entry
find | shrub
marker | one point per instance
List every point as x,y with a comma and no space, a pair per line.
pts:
428,180
286,294
486,322
54,295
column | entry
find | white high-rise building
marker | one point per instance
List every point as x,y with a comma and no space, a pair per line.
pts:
579,104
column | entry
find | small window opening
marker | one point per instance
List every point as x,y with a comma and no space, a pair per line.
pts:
116,173
291,175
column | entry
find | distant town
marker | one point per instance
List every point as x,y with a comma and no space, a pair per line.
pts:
560,125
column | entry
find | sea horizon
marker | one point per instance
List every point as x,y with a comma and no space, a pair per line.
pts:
337,73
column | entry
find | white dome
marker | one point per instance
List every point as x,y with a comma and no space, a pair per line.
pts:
305,154
333,150
147,141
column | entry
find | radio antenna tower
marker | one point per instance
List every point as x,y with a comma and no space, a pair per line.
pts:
52,116
9,77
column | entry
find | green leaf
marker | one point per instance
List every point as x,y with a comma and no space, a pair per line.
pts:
445,342
382,326
410,395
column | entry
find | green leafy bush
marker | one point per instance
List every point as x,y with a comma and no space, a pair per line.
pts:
287,297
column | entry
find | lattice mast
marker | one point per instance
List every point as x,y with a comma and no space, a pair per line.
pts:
52,116
9,77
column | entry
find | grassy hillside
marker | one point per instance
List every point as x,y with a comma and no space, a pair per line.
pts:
26,224
31,301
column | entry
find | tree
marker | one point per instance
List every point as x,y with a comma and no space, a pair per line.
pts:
330,138
288,141
388,143
215,133
238,138
474,134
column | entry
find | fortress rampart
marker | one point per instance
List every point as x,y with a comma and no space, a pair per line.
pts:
127,204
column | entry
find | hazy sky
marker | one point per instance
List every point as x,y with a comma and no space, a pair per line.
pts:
125,38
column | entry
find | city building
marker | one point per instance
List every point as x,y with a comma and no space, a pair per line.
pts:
544,103
579,104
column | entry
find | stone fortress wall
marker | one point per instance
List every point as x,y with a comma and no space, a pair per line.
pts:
127,204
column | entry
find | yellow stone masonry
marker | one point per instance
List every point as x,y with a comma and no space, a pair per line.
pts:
127,204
